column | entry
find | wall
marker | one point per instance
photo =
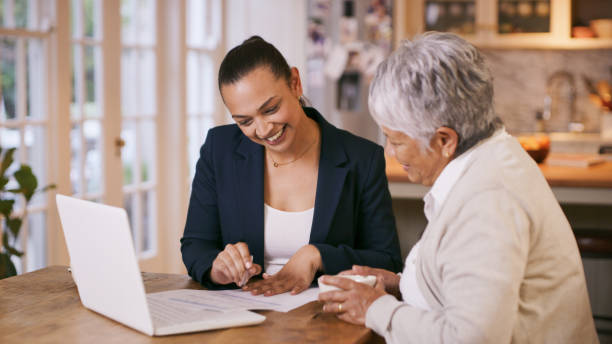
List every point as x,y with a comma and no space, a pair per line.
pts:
520,78
280,22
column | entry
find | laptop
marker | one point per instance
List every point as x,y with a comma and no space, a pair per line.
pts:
105,270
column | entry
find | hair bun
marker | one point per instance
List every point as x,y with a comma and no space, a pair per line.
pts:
253,39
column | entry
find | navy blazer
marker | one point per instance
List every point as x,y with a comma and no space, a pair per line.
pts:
353,221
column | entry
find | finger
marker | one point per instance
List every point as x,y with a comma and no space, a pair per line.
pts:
348,272
236,260
380,282
333,296
247,258
230,268
334,307
340,282
255,269
362,270
298,289
218,273
266,276
279,286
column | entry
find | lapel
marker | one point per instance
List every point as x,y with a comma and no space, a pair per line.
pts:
330,182
249,195
249,188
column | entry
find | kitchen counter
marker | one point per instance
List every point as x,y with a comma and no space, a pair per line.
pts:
571,185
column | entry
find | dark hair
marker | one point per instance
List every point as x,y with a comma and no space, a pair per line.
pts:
253,53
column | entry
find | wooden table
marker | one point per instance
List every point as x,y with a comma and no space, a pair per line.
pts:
44,307
571,185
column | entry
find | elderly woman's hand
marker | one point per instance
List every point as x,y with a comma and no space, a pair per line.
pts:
296,276
390,279
353,300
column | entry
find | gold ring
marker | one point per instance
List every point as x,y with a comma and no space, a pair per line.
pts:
339,307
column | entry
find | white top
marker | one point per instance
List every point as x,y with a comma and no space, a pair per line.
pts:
285,232
434,200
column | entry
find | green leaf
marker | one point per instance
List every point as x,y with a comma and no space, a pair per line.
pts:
27,181
3,181
14,225
7,160
6,207
7,268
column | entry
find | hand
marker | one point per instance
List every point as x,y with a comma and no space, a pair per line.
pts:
234,264
390,279
296,276
353,300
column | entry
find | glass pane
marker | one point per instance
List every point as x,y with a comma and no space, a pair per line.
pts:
208,85
518,16
11,138
75,18
75,159
93,78
148,232
454,16
8,68
21,13
148,151
193,83
36,75
36,254
128,153
35,141
203,23
138,21
129,82
147,83
92,131
77,77
89,17
129,205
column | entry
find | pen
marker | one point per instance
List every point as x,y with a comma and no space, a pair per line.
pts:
245,277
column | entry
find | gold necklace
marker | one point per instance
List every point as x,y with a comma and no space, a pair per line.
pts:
278,164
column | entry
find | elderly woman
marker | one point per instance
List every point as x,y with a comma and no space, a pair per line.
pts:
497,261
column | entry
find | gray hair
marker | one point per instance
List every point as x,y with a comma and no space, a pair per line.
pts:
436,80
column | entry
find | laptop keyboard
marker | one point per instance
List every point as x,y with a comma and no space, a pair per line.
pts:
166,314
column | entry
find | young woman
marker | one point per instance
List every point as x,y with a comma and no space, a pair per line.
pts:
282,191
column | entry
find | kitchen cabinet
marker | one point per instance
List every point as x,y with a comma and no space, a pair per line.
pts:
490,24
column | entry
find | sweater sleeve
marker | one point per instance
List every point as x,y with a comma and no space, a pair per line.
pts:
480,260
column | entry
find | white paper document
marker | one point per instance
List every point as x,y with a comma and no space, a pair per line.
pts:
232,300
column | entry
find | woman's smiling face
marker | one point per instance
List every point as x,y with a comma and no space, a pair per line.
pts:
266,108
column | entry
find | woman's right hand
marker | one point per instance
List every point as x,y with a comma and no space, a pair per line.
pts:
390,279
234,264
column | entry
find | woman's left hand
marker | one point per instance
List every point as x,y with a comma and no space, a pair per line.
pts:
296,276
353,300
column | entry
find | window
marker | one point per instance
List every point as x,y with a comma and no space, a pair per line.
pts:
24,119
86,110
203,37
139,121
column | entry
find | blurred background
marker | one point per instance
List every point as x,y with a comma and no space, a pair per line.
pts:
111,99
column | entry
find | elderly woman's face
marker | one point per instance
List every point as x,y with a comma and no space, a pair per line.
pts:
266,108
422,166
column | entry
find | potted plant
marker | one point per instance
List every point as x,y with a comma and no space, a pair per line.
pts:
11,224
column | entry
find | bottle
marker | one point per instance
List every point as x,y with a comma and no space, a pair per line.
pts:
348,23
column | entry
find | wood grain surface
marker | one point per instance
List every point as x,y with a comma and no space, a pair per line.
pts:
44,307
